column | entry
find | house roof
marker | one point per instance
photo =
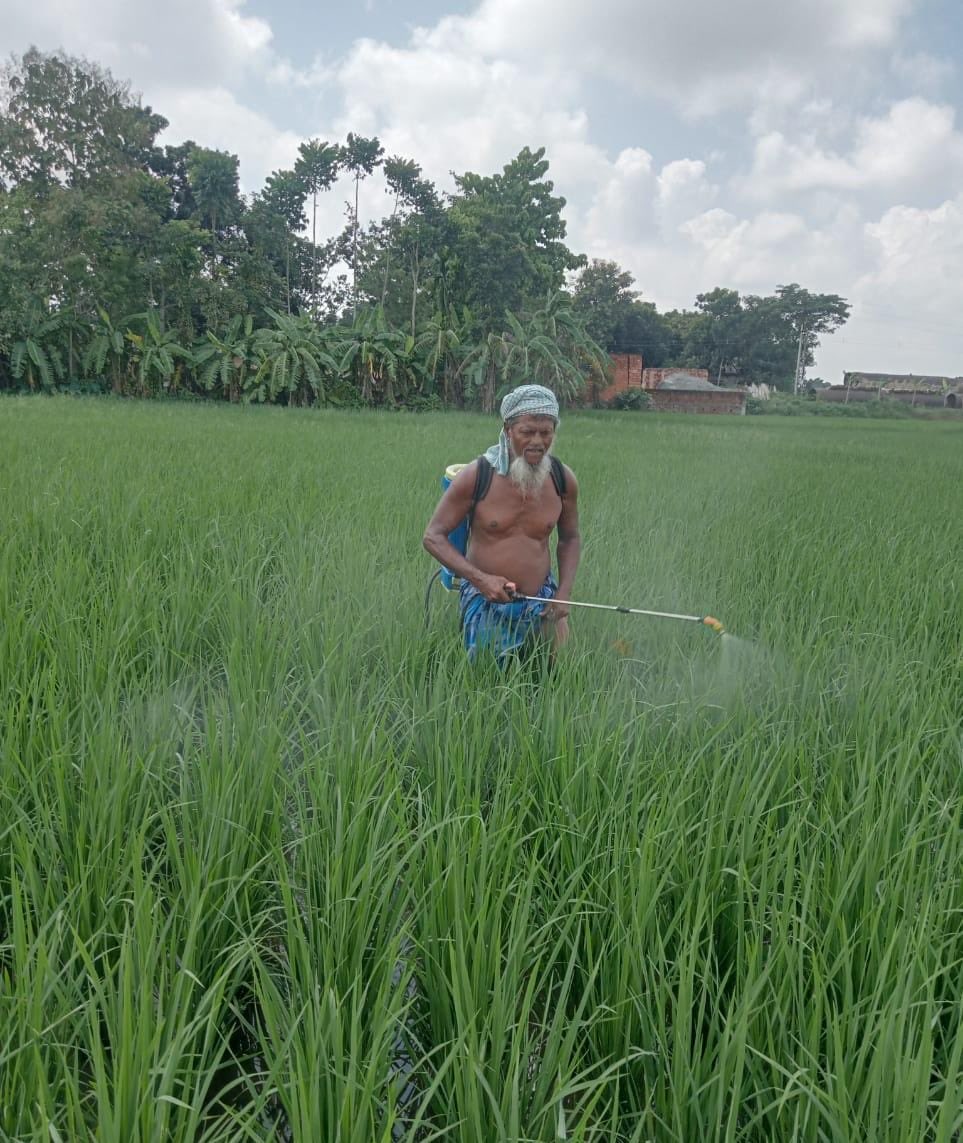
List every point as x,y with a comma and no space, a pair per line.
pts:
683,380
903,382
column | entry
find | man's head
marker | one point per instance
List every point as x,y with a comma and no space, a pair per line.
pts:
527,403
530,418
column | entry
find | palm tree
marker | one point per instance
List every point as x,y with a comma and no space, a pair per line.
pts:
317,168
360,156
292,360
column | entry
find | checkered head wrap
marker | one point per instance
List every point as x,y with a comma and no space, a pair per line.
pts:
526,400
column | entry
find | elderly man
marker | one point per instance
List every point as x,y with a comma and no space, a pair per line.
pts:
512,517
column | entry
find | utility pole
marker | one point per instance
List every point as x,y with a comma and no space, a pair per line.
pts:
800,364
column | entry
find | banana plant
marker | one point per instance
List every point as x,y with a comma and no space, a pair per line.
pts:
293,360
227,363
106,348
35,355
157,356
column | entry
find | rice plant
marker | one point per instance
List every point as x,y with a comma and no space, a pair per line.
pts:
277,864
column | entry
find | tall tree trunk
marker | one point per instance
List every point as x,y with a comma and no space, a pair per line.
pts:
314,251
354,254
415,274
287,271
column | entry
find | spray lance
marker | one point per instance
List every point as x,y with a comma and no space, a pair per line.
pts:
706,620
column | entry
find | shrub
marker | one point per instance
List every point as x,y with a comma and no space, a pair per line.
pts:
631,399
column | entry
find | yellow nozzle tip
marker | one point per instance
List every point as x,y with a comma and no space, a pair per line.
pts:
711,621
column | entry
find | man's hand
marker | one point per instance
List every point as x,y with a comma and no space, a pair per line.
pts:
495,588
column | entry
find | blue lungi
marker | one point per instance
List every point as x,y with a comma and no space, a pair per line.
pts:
502,628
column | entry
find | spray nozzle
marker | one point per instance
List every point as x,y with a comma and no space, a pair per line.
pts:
713,623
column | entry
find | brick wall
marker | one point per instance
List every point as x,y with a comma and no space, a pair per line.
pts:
626,374
653,378
694,401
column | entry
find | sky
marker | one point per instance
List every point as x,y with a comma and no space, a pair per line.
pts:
697,144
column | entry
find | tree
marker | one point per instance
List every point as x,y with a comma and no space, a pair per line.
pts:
379,358
360,156
35,353
808,315
67,122
156,355
614,316
106,347
552,348
506,248
716,337
316,168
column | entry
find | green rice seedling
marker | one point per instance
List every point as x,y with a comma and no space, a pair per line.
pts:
276,863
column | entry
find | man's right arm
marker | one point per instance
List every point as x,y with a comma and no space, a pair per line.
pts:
453,507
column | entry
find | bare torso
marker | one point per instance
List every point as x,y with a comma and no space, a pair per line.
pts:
510,533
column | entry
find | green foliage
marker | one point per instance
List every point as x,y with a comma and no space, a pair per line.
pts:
631,399
615,317
450,297
293,359
157,357
787,405
507,249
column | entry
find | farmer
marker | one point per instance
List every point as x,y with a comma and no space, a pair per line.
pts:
529,496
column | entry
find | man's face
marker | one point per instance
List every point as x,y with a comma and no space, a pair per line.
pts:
530,437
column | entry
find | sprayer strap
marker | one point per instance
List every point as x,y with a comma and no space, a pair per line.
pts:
483,481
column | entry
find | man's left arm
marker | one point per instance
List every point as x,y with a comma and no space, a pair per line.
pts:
569,547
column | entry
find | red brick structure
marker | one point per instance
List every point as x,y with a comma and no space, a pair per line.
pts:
698,401
672,390
626,374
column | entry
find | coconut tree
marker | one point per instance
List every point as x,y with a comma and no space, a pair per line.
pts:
316,169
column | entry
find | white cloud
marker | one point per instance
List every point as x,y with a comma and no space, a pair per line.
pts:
704,57
214,118
195,42
914,143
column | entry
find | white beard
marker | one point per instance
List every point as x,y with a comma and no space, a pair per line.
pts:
529,478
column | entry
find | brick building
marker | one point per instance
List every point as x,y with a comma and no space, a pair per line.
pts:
670,389
691,391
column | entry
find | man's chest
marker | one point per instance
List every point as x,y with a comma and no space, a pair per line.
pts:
505,512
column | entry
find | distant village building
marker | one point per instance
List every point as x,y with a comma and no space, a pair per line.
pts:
674,389
914,389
